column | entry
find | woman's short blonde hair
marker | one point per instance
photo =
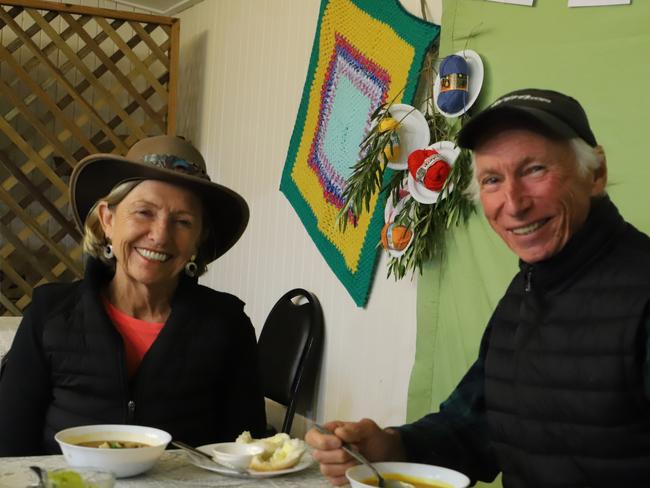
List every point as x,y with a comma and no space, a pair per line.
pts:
95,241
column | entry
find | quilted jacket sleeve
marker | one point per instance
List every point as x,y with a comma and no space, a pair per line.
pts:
24,389
245,408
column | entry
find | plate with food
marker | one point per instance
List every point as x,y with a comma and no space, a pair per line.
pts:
279,455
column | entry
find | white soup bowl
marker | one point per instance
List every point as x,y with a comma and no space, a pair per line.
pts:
429,476
122,462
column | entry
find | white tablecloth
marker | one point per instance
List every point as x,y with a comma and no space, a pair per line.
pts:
172,470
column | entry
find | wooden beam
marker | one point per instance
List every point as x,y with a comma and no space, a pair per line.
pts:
97,12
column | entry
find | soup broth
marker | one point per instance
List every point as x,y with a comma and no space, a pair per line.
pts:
416,482
102,444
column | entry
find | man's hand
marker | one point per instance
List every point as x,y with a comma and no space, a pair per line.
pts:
366,436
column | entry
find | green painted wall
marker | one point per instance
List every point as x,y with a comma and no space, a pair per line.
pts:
597,54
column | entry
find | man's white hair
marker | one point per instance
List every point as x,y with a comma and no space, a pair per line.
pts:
587,159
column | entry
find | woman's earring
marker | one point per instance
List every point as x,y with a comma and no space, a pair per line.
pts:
108,251
191,268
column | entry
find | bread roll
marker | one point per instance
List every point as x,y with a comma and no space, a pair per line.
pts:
270,444
284,457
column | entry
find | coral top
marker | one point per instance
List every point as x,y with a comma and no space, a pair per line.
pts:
138,335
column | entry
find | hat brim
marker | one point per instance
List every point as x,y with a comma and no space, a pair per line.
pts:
95,176
472,130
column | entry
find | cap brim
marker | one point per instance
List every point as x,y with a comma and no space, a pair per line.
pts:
95,176
471,132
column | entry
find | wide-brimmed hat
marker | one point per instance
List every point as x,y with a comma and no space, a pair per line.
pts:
170,159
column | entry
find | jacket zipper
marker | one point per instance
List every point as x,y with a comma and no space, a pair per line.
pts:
528,279
131,411
130,404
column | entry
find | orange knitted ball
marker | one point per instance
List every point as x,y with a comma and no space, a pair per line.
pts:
395,237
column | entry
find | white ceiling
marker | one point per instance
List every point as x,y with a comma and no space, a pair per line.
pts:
160,7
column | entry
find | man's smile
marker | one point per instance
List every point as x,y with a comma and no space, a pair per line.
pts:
529,228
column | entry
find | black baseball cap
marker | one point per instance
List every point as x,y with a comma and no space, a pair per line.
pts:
559,113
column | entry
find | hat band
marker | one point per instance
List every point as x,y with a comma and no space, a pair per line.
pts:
174,163
453,81
422,170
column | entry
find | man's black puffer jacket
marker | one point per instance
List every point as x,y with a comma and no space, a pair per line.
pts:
564,375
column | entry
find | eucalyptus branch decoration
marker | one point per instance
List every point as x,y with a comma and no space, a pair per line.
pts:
429,223
380,144
426,195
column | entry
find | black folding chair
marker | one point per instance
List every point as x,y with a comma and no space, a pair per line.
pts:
290,349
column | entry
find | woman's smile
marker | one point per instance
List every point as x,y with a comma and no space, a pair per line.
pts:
152,255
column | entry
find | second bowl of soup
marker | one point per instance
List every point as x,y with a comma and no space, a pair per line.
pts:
124,450
417,475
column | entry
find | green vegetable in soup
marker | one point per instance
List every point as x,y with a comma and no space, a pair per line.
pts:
113,444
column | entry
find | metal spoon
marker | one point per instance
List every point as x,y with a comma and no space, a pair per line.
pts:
381,482
41,475
203,455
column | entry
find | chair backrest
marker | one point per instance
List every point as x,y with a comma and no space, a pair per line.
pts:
290,349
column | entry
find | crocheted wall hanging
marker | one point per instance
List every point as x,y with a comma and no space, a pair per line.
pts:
366,53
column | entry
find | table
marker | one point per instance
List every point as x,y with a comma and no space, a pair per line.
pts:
172,470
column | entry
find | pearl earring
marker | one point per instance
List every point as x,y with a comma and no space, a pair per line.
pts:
191,267
108,251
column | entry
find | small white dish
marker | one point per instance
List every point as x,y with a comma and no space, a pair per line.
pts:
475,66
449,151
391,211
427,473
235,455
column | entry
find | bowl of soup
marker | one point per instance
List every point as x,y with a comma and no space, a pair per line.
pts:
124,450
417,475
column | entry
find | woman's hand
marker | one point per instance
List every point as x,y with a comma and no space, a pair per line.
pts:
366,436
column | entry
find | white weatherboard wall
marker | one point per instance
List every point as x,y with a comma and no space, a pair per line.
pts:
243,66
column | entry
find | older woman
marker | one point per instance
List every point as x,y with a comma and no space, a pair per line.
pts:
138,340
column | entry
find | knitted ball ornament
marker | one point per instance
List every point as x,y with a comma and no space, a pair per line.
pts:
395,237
454,84
429,168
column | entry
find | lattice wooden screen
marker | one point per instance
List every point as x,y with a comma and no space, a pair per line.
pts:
73,81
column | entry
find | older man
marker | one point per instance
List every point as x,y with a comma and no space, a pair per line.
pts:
560,393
